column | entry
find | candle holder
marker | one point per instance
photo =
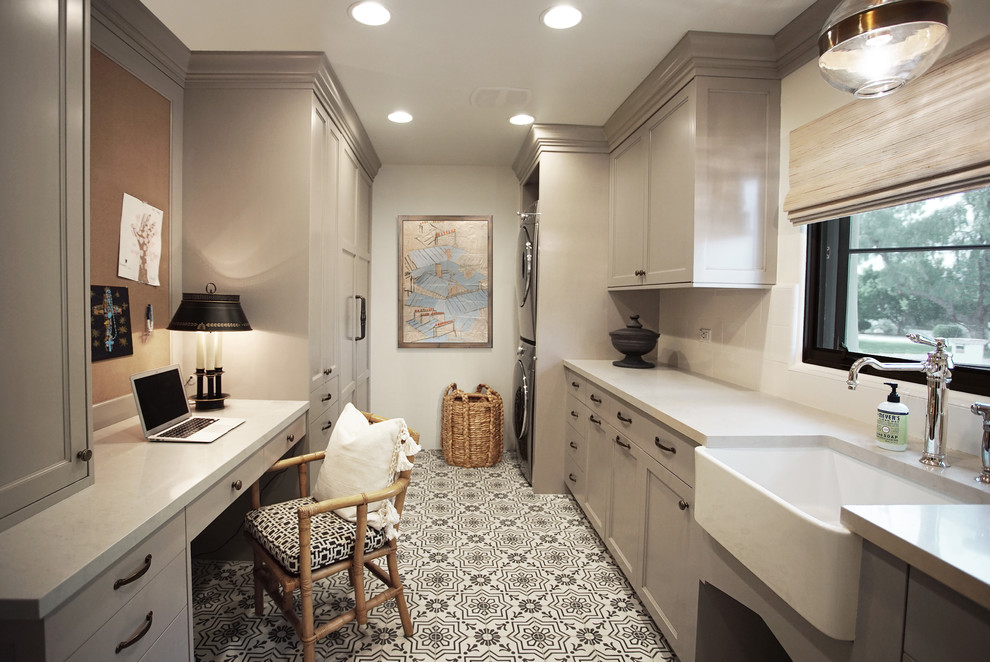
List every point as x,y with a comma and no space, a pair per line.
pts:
212,396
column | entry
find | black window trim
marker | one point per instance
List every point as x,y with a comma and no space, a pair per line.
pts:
823,314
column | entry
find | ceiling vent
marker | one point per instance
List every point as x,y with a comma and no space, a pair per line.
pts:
500,97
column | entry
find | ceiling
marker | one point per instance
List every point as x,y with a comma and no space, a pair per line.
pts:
435,54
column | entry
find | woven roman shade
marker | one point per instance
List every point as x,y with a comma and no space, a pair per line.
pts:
930,138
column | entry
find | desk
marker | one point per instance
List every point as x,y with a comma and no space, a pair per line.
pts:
58,568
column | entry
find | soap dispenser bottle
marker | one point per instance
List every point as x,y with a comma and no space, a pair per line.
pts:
892,421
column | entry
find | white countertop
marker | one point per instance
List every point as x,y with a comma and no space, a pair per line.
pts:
950,543
139,485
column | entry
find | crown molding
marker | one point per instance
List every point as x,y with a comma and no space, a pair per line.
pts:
134,25
286,70
567,138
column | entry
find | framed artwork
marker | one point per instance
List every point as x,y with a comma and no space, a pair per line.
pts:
445,266
110,322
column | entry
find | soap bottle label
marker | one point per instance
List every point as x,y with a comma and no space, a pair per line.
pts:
891,429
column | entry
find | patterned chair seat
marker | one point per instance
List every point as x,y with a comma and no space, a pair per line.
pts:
276,527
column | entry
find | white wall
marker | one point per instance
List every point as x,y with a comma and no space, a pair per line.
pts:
410,382
756,334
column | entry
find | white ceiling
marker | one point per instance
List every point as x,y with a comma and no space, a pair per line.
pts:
434,54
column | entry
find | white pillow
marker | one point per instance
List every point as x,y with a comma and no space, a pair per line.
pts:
361,457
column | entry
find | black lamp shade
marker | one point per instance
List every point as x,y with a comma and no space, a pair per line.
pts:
209,312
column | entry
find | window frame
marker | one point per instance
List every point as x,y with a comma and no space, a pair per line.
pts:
826,281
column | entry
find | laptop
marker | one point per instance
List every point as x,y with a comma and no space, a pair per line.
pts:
163,409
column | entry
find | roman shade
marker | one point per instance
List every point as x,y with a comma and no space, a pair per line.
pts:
928,139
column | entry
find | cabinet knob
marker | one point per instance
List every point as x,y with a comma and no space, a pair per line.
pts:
640,272
683,505
85,455
237,485
290,438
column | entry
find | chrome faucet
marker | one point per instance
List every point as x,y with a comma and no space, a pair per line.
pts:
983,409
938,370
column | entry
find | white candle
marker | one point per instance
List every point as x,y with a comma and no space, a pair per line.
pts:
219,356
211,352
200,350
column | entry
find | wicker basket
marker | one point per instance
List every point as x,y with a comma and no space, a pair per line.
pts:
471,427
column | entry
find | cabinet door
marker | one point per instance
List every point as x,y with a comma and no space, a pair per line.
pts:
45,318
670,228
322,248
669,586
628,211
625,506
598,474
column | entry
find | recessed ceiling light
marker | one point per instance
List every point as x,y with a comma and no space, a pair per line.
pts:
521,119
400,117
369,13
561,17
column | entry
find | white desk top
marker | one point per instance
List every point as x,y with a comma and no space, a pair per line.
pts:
139,486
951,543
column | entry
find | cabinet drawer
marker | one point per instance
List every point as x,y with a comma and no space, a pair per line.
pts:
68,627
596,399
287,438
576,386
674,451
671,449
577,447
577,416
150,612
574,478
205,509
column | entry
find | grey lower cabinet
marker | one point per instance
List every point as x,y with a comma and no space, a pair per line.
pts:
634,485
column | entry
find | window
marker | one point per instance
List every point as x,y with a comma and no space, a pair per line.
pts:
922,267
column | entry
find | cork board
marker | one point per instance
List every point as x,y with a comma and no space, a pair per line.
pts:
130,133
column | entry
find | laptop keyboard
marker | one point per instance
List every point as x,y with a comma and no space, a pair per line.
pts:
188,428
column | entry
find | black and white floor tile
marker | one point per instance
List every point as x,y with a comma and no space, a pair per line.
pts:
492,572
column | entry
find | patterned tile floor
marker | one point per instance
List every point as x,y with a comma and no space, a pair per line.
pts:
492,572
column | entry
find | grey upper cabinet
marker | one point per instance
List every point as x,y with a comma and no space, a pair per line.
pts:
694,183
277,173
43,257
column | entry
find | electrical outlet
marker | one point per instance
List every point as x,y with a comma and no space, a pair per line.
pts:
705,335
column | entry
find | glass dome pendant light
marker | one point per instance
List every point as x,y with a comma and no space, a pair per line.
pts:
870,48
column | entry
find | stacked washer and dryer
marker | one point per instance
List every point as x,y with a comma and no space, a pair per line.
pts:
524,381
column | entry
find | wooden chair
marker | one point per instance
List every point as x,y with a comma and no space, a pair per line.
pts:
344,546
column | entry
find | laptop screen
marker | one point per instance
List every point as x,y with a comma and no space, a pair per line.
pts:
160,396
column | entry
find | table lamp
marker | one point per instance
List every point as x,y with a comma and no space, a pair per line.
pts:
209,315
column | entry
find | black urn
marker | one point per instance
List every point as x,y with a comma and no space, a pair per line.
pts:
634,341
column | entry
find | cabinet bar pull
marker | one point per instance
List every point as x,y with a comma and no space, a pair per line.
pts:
595,399
575,385
574,413
573,445
683,505
137,575
326,397
619,441
591,417
669,449
326,427
571,478
137,636
623,418
327,371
